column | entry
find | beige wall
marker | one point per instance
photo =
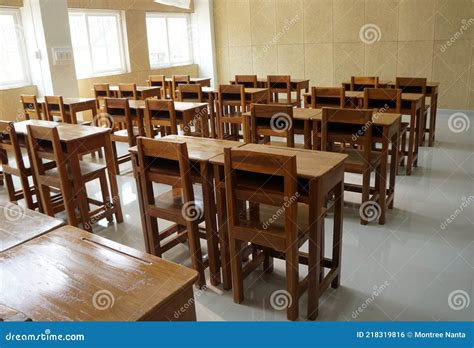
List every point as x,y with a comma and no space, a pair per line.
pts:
320,40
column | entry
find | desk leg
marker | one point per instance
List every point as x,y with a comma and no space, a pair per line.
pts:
433,111
419,125
210,218
337,239
212,115
411,141
314,248
307,134
112,174
383,177
393,167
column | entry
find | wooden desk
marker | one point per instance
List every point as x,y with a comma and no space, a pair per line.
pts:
71,275
387,130
200,152
203,81
140,89
73,106
254,95
319,173
297,85
382,84
302,123
19,225
186,114
77,140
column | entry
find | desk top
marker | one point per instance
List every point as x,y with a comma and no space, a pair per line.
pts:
360,95
200,149
192,79
71,101
67,132
380,119
309,164
139,88
247,90
179,106
72,275
302,114
19,225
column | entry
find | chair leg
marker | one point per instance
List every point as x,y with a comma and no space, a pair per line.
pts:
381,177
27,195
236,267
10,188
104,189
114,149
292,281
365,193
402,150
267,261
196,252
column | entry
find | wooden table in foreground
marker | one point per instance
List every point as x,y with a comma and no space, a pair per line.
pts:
387,128
318,174
19,225
73,106
71,275
301,123
77,140
200,152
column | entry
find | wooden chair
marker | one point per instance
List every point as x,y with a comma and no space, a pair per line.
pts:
167,163
355,126
190,93
159,81
15,164
151,93
272,121
128,90
101,91
249,81
327,97
268,183
280,84
231,105
177,80
55,110
44,144
359,83
160,113
30,106
118,111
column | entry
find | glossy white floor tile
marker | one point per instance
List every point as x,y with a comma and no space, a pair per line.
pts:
412,268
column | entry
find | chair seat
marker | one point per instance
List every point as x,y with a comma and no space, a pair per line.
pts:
12,165
124,133
171,204
355,163
89,170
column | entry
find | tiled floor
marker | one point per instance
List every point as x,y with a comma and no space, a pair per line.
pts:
412,268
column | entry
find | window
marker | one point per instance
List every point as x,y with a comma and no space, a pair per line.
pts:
169,39
98,43
14,70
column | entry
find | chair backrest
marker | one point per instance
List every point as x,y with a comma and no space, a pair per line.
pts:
9,144
190,93
30,106
231,96
272,121
154,93
158,81
383,99
359,83
54,106
165,162
247,174
279,84
128,90
411,84
160,112
327,97
177,80
347,126
117,110
249,81
102,90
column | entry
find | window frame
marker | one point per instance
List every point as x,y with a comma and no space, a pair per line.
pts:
122,41
16,13
190,38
